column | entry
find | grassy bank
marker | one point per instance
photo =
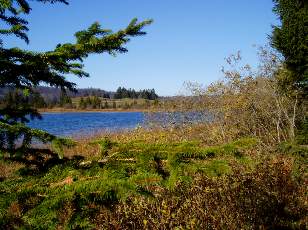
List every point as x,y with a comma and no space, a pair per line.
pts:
156,179
105,105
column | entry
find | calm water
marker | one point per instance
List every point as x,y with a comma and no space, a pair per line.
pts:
81,124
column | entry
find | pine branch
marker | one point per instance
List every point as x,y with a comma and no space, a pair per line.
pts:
18,130
22,69
25,69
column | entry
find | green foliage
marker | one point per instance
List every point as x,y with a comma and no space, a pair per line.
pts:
217,168
302,135
105,145
159,188
134,168
294,149
13,132
58,144
65,184
291,39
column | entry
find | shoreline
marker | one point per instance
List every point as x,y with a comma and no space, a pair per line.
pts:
62,110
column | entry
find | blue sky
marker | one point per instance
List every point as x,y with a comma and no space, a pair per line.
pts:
188,40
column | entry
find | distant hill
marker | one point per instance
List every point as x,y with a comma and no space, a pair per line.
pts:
54,93
50,93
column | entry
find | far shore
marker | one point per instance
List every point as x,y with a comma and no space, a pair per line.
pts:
63,110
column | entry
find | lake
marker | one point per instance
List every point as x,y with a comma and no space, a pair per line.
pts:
77,124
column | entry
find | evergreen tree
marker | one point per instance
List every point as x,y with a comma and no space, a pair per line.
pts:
291,39
131,93
118,94
65,99
15,105
13,112
106,95
24,69
36,100
153,95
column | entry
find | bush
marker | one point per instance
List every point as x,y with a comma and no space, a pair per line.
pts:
267,198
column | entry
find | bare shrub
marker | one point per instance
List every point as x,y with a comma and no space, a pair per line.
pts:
245,102
267,198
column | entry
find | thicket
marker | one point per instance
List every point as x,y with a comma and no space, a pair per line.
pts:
245,102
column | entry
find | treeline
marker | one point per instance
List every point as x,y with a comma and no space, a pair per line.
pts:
94,103
131,93
99,103
48,97
14,98
34,99
54,94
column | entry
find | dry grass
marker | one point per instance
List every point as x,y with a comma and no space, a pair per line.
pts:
266,198
8,169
